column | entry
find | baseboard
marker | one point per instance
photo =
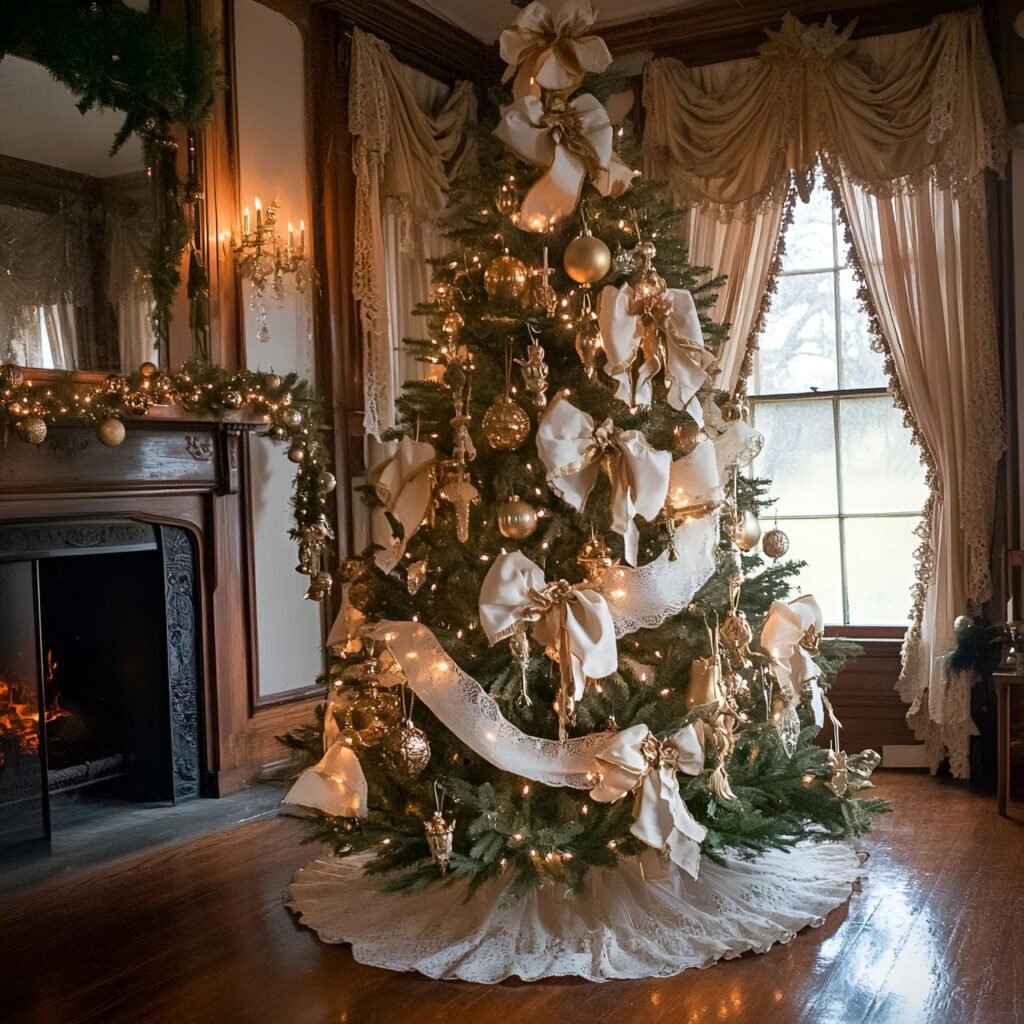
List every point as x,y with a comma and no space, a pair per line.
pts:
904,755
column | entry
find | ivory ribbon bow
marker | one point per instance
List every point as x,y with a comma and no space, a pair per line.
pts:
334,785
645,336
573,141
546,51
637,761
573,623
404,486
573,451
790,635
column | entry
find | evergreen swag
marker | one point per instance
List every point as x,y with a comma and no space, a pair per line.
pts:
539,833
156,73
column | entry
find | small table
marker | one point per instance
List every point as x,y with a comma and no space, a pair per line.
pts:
1008,685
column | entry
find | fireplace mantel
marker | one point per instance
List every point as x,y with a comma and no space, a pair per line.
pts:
194,474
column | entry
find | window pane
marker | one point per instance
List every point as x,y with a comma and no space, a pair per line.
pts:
797,350
881,470
816,542
809,237
799,455
880,569
862,368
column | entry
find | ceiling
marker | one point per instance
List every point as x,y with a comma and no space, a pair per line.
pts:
486,18
41,123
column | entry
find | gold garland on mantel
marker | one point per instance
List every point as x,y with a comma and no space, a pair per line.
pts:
285,404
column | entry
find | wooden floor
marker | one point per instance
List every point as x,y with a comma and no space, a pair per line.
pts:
198,934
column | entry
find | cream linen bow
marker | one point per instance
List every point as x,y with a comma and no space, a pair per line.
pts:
334,785
573,140
404,486
643,337
790,635
573,451
573,623
636,761
546,51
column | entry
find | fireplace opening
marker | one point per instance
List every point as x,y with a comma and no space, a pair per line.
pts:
99,678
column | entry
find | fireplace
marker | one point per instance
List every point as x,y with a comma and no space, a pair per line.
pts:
100,678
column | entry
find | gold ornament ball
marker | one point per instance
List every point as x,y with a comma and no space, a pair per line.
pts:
453,323
506,278
233,399
506,425
326,481
291,417
271,381
147,370
587,259
747,531
595,557
111,431
775,543
407,750
11,376
32,430
517,519
115,384
296,453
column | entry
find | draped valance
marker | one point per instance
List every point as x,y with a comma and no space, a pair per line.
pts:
888,113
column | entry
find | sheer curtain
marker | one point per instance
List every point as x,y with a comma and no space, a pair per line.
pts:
905,128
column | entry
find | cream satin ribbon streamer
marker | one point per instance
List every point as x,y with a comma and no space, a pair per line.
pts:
573,623
404,486
695,479
672,343
790,635
334,785
635,761
572,140
573,451
546,51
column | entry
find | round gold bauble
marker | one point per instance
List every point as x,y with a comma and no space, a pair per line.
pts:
114,384
11,376
587,259
746,531
407,750
594,557
147,369
291,417
506,424
32,429
277,433
271,381
517,519
506,277
453,323
296,453
233,399
326,481
136,402
111,431
775,543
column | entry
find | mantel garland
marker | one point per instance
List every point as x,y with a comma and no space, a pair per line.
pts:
285,404
157,73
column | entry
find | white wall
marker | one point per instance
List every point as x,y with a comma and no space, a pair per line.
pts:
269,94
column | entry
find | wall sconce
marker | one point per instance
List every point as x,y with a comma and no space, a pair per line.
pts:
262,259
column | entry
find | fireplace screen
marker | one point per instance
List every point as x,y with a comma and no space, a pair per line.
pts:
99,687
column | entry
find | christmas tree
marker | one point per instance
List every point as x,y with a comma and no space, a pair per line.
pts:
550,663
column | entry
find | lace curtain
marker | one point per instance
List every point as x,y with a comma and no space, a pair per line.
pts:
905,127
411,137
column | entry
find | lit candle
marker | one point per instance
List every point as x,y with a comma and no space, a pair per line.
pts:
259,213
545,259
302,236
1009,609
245,221
291,234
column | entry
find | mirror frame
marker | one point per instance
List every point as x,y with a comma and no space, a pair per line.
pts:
160,71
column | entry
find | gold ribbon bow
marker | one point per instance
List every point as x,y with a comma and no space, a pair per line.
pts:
636,761
572,622
574,450
545,51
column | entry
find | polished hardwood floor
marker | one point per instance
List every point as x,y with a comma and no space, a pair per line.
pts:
197,933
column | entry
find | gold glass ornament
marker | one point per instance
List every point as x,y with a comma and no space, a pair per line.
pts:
506,199
296,453
147,369
517,519
587,259
745,531
111,431
233,400
407,750
115,384
416,576
11,376
326,481
271,381
595,557
775,543
506,277
589,340
506,424
453,323
32,430
291,418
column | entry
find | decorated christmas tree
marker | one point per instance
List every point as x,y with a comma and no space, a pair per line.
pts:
564,651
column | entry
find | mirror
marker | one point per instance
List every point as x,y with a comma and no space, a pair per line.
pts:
77,228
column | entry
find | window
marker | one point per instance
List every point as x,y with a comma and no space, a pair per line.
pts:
848,480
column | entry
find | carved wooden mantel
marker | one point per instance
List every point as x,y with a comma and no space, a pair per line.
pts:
195,475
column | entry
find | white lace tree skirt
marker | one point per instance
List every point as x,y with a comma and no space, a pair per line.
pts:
622,927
